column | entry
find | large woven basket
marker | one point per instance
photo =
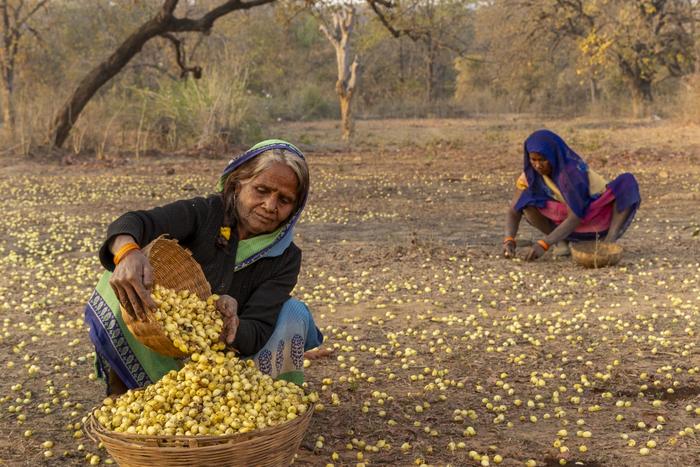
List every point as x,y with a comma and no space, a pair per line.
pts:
596,254
270,447
174,268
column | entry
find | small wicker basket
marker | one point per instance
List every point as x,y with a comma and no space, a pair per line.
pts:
596,254
174,268
270,447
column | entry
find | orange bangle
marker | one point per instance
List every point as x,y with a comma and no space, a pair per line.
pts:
543,244
508,240
124,250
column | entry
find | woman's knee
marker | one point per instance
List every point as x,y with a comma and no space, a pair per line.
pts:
621,211
294,309
531,211
532,215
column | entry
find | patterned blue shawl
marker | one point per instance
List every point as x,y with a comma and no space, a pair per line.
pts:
286,234
569,173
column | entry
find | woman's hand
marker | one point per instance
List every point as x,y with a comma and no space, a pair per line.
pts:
512,222
509,249
228,307
132,281
534,252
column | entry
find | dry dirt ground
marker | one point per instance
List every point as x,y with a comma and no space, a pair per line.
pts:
445,354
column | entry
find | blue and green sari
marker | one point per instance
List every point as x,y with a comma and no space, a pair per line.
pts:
282,357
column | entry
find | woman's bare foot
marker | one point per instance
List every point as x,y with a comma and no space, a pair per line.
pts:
318,353
116,385
561,249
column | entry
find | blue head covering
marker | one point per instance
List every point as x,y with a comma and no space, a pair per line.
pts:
286,234
569,173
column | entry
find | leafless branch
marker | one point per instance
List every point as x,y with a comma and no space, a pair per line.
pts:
200,39
396,32
31,12
164,23
324,29
416,34
352,82
168,8
178,46
205,22
36,35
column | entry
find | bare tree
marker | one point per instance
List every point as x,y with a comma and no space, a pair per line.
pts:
339,36
163,24
15,23
439,25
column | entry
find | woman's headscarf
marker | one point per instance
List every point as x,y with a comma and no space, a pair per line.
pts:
265,246
569,173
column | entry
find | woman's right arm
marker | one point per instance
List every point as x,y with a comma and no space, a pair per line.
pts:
513,218
132,278
180,220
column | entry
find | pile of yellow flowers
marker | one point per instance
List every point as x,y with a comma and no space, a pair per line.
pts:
190,323
213,394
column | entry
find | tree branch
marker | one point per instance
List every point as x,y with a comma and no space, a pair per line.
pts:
161,24
5,23
180,57
36,35
375,4
427,35
328,35
168,8
31,12
205,23
200,39
352,82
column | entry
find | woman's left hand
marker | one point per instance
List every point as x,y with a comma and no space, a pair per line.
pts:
228,307
534,252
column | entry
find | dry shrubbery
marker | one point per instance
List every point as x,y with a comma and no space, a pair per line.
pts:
269,64
213,111
690,98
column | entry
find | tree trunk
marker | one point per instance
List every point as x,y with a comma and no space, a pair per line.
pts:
100,75
13,24
594,90
642,97
430,81
7,100
346,123
402,63
339,37
163,22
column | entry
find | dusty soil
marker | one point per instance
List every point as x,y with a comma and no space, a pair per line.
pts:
402,271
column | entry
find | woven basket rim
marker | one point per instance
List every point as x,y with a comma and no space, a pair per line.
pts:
588,254
196,270
94,427
606,249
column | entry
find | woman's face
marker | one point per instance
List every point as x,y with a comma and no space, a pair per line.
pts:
264,202
540,164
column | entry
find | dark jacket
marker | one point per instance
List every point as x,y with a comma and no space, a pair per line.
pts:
260,289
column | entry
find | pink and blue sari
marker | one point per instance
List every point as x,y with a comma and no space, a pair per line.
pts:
570,174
